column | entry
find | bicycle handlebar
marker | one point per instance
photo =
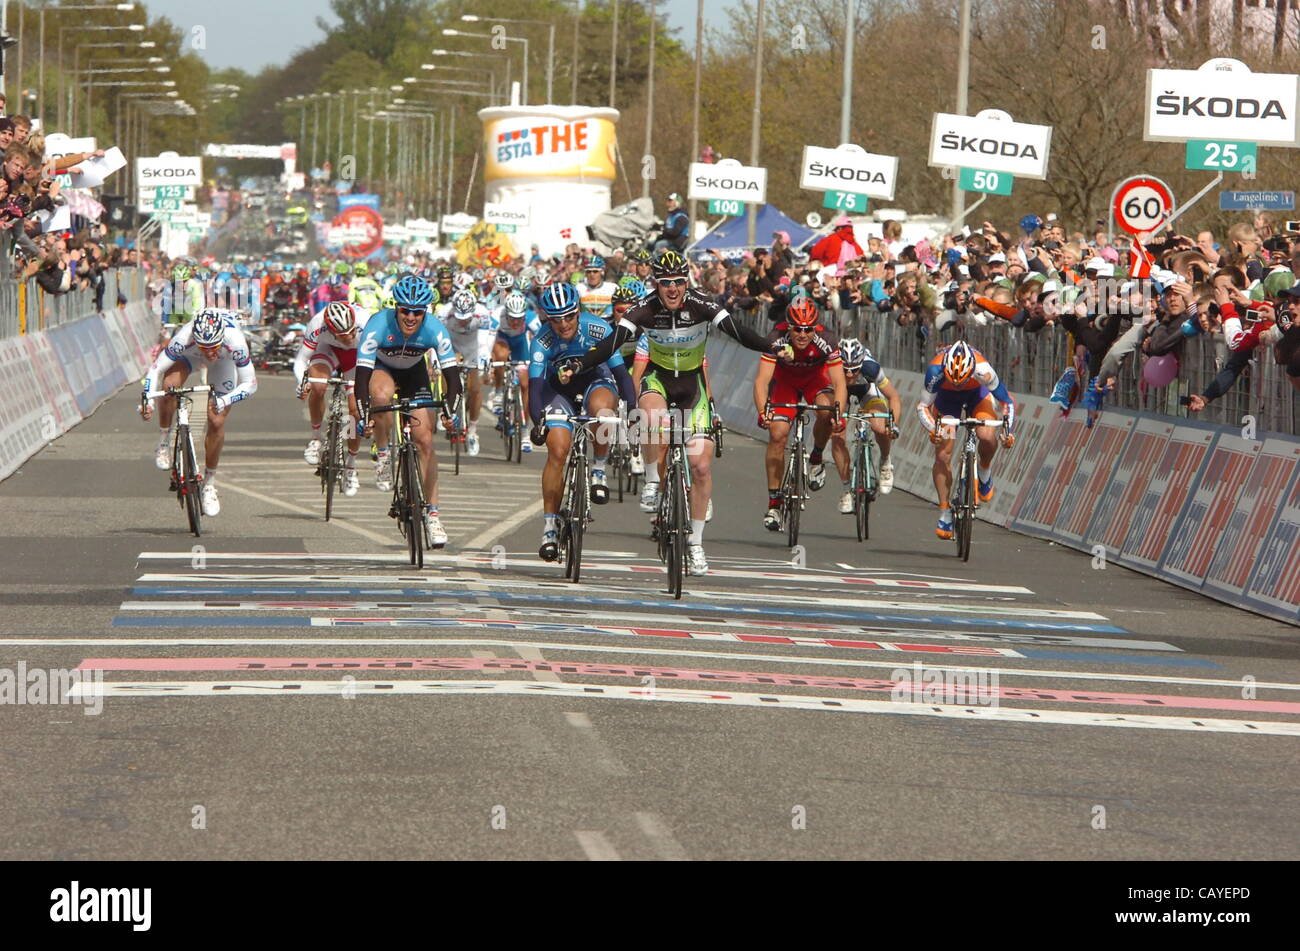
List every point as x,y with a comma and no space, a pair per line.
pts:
177,391
331,379
968,422
405,406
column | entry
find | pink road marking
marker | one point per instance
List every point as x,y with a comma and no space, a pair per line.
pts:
585,669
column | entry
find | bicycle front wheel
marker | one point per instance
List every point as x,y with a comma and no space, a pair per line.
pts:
192,484
966,517
414,506
679,531
793,497
867,492
330,465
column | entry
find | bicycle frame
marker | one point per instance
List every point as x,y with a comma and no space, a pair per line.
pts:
575,499
964,501
408,491
794,474
187,485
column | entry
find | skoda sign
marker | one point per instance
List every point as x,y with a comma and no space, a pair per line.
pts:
727,179
1223,100
991,141
848,169
169,169
499,214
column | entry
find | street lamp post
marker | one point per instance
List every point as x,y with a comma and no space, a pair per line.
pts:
963,85
132,27
613,57
695,112
758,113
650,105
508,39
550,45
40,69
846,94
90,71
478,56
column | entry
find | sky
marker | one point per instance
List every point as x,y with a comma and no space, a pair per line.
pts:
250,34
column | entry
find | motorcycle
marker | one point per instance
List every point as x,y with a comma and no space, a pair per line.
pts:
632,226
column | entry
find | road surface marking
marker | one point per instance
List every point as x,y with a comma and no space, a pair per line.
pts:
468,687
597,847
669,849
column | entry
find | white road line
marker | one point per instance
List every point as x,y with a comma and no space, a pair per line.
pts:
742,656
597,847
713,696
600,754
385,540
487,537
654,829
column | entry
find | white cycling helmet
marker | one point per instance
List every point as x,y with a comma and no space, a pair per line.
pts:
209,328
516,304
852,353
339,318
462,302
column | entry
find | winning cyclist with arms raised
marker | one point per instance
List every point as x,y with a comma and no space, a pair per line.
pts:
676,320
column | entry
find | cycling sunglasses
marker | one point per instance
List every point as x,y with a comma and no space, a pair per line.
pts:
413,311
674,282
564,319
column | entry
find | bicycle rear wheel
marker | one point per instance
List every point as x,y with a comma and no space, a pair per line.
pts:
191,483
866,463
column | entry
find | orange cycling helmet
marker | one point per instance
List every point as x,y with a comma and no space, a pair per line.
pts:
959,362
803,314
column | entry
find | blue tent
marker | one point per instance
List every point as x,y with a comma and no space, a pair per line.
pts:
731,237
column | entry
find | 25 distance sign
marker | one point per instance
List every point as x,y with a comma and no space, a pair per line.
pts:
1142,203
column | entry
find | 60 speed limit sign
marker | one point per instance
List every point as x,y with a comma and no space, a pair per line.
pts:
1141,203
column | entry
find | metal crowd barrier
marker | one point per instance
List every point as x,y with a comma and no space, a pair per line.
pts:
26,307
1031,363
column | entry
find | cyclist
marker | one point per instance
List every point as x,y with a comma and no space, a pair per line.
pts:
596,294
186,296
392,274
334,288
212,339
463,317
677,322
806,368
329,346
364,291
446,281
621,301
867,384
960,378
302,291
517,323
568,334
391,358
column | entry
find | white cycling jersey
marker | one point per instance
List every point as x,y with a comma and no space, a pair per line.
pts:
230,374
464,331
319,340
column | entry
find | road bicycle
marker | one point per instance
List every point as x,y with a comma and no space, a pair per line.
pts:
186,479
512,412
575,503
964,502
619,464
863,483
408,505
338,427
794,477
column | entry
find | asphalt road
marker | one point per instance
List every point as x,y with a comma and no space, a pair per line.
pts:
292,689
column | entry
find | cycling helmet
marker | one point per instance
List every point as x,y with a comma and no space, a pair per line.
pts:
642,256
412,291
852,353
463,281
597,263
394,269
503,281
628,293
445,273
181,272
959,362
516,304
209,329
462,302
361,269
803,314
669,263
559,300
339,318
273,267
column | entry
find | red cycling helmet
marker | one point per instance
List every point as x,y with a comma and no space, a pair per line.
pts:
803,314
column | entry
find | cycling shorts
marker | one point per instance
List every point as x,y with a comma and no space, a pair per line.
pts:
412,382
342,361
518,345
572,399
682,391
223,375
952,402
794,389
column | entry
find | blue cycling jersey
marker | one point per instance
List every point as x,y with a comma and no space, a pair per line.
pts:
383,343
548,349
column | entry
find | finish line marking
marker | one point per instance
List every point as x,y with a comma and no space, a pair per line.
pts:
299,688
640,651
948,614
590,669
642,620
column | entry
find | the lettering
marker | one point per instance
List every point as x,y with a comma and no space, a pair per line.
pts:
736,184
1218,107
969,143
819,170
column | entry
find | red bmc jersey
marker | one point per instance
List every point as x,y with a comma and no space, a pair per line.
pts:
810,360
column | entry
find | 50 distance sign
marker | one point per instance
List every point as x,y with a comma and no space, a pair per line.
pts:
1141,203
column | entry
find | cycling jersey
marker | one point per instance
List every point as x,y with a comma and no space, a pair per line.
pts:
464,331
677,337
950,398
811,360
327,294
365,293
548,350
384,346
319,341
516,333
597,301
190,303
230,375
